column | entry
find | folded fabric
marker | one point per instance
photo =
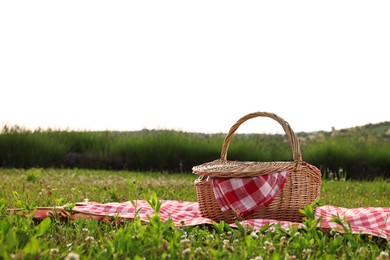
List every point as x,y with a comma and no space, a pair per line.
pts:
246,195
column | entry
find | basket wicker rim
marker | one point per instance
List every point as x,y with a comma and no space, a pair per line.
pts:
224,168
228,169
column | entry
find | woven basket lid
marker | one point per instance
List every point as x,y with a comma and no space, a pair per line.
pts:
225,168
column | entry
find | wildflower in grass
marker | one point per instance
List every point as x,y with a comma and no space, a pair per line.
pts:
283,240
227,245
383,256
254,235
185,243
306,253
17,256
54,251
290,257
198,251
297,234
186,252
257,258
362,250
72,256
337,234
89,239
268,246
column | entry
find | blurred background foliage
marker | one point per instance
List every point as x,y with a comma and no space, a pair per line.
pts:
354,153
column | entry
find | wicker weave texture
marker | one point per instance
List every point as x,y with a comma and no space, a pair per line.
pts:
302,186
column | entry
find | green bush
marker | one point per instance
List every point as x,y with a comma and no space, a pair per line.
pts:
359,154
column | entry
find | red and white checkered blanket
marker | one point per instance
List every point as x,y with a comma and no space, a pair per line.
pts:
246,195
371,221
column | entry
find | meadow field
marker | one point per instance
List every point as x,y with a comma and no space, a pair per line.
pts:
48,168
359,153
52,238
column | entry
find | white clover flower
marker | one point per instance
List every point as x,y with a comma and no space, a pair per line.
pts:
54,251
269,246
383,255
198,250
257,258
306,252
185,243
186,251
72,256
290,257
254,235
89,239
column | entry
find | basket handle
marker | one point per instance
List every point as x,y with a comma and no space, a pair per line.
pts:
286,127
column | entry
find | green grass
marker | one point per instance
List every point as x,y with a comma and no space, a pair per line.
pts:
45,187
24,238
50,187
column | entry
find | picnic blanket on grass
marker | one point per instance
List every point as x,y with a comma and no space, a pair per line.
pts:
370,220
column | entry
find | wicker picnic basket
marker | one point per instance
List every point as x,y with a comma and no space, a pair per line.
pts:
301,187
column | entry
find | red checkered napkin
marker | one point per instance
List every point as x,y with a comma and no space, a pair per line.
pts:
246,195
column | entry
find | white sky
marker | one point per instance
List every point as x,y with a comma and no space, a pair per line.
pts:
194,65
